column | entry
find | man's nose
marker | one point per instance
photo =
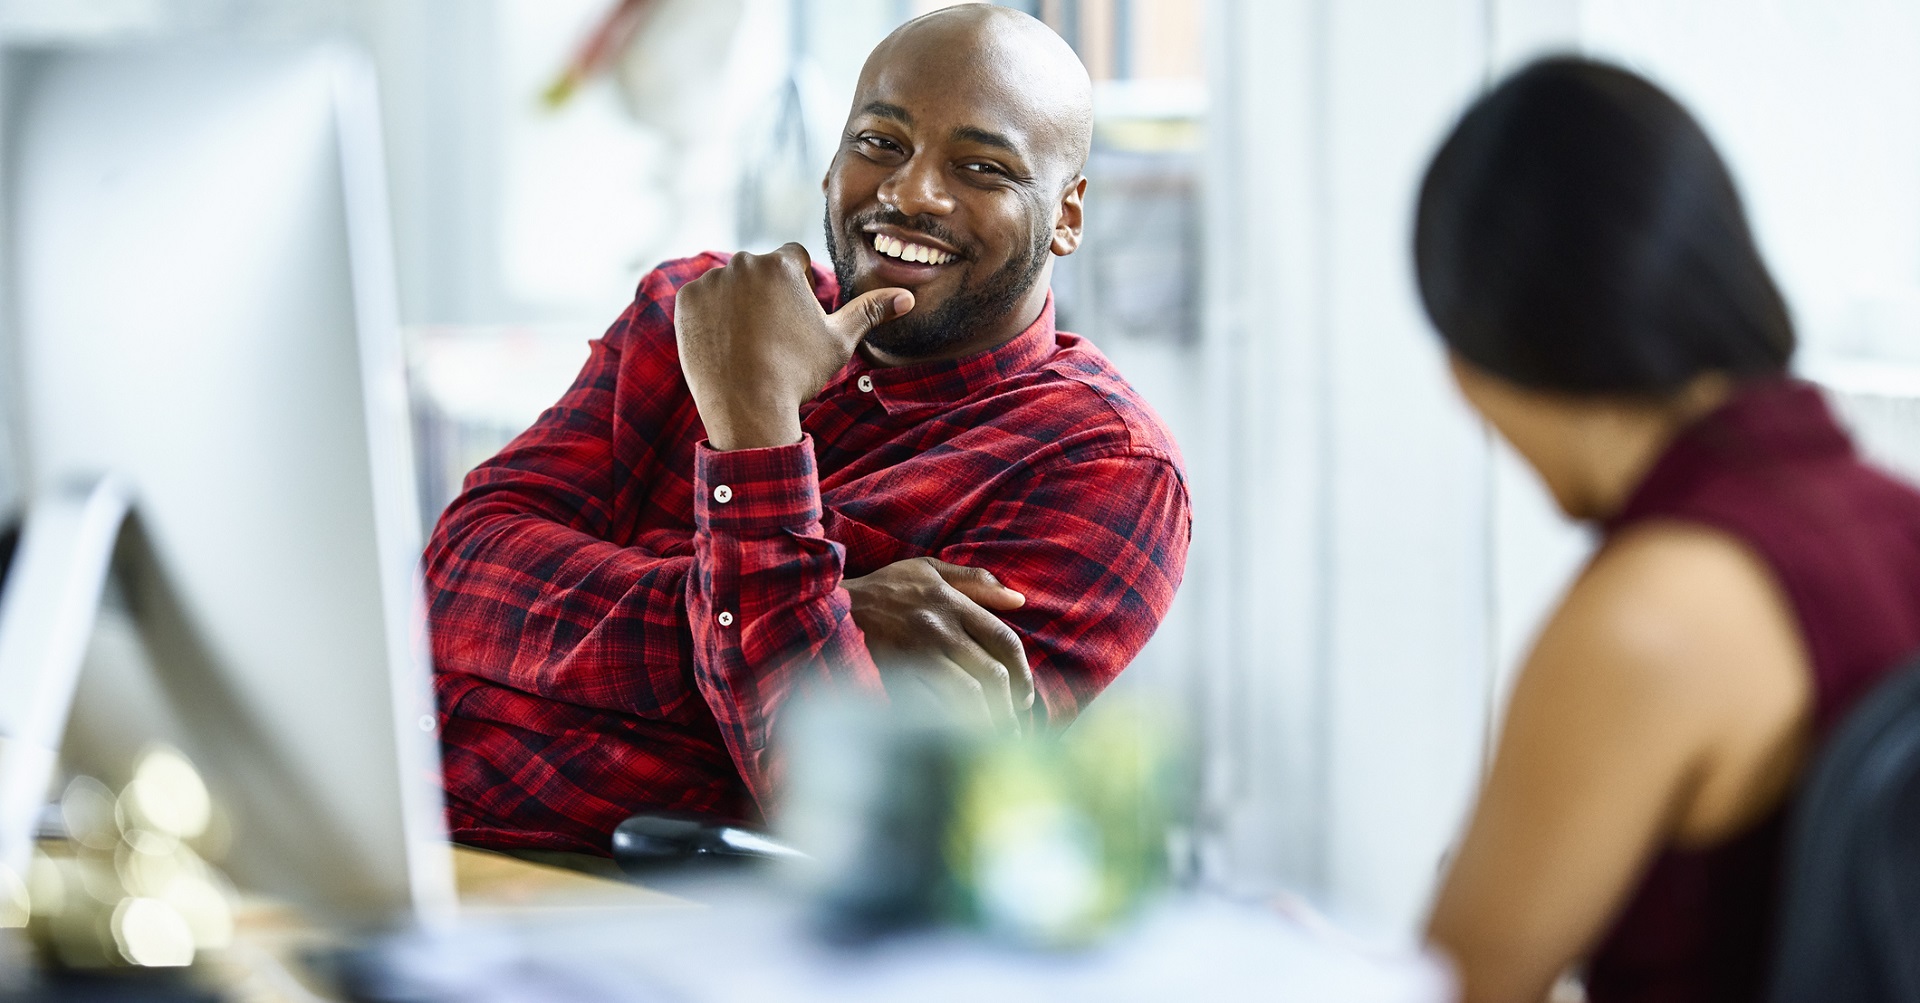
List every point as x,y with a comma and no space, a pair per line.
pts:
918,187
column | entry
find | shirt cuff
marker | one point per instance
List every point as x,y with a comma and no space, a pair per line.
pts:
747,489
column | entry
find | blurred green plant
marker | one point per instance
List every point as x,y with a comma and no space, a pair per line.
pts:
1056,840
912,820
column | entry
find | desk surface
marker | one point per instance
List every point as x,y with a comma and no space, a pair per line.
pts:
263,964
492,881
749,941
543,932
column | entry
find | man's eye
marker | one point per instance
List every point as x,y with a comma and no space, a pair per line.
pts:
881,143
988,169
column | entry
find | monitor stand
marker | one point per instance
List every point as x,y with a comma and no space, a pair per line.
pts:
49,601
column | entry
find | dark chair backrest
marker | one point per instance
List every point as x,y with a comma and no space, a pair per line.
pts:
1849,923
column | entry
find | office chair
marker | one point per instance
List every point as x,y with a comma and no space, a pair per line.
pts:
1849,924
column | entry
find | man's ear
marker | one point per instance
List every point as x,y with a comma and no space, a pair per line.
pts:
1067,222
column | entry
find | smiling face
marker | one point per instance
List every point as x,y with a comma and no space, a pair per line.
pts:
958,178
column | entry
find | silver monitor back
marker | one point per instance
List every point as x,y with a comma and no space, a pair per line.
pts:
200,301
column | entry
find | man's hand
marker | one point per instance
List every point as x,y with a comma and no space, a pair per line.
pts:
755,345
928,621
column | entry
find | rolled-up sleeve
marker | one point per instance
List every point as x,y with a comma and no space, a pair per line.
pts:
765,602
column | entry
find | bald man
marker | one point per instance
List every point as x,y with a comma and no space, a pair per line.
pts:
895,476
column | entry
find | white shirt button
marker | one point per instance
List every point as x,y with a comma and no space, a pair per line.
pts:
725,618
723,494
865,383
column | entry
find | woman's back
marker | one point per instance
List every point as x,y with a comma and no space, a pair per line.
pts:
1842,540
1583,252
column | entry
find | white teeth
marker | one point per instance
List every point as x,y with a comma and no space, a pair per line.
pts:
894,247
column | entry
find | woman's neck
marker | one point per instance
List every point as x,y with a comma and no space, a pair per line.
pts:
1611,446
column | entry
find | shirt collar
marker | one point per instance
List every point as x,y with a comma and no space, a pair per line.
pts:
1770,421
946,381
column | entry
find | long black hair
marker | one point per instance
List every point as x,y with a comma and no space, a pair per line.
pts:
1577,232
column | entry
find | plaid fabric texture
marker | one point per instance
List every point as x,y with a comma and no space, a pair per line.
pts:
618,612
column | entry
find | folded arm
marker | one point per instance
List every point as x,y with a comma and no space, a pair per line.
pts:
526,591
1096,546
1097,543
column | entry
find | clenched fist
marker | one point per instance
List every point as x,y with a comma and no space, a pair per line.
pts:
755,345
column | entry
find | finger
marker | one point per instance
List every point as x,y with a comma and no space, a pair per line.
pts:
995,677
867,311
979,585
999,642
793,254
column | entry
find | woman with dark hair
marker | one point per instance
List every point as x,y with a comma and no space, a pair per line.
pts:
1583,252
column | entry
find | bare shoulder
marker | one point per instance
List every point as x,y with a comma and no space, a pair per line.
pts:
1658,707
1678,602
1684,629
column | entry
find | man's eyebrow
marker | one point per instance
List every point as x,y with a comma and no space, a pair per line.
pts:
975,134
885,110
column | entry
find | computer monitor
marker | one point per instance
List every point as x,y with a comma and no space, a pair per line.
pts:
200,302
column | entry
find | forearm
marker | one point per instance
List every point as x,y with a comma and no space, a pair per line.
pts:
525,602
764,599
1098,547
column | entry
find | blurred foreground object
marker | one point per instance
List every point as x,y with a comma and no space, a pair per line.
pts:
201,305
128,886
746,942
914,821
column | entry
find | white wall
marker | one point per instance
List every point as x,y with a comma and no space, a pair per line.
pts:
1816,105
1346,528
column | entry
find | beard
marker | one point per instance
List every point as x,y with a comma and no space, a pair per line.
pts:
921,334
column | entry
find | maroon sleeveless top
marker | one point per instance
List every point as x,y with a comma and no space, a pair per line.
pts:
1773,469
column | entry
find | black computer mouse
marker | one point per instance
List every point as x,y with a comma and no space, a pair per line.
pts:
655,841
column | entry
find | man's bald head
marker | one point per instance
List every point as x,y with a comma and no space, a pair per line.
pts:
959,177
1038,72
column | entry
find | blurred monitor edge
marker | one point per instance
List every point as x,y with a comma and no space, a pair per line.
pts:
200,302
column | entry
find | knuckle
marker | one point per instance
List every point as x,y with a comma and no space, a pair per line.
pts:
928,621
1005,635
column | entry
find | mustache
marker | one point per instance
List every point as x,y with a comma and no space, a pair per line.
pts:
889,216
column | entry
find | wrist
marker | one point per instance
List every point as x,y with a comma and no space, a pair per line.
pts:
754,432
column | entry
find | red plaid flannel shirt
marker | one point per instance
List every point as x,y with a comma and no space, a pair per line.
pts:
618,611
